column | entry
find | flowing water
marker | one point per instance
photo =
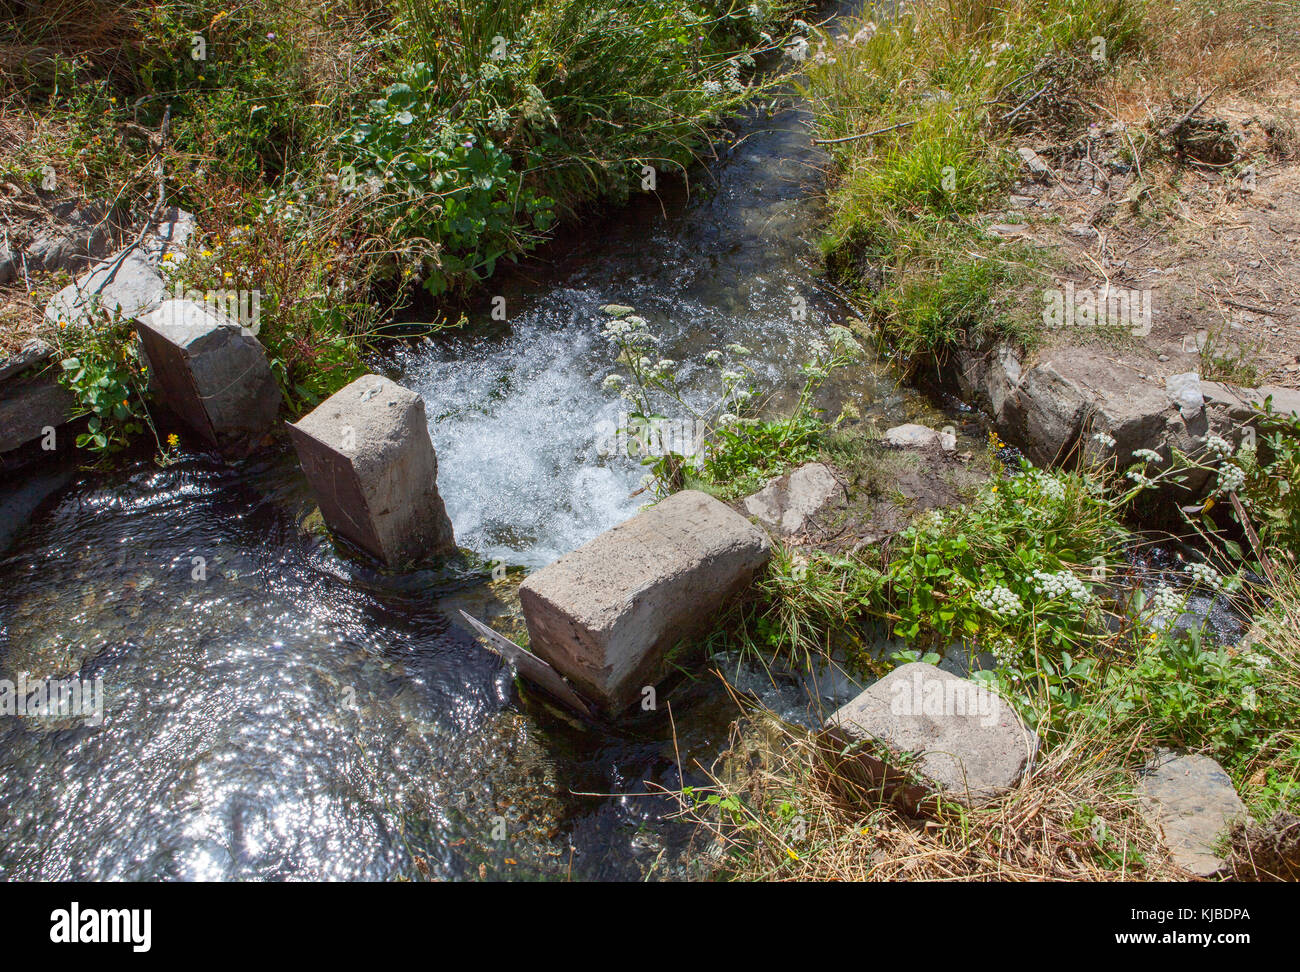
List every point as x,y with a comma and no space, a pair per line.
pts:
275,709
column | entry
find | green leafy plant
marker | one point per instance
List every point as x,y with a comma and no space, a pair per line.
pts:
438,182
105,374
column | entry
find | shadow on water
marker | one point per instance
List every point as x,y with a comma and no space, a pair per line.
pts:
286,713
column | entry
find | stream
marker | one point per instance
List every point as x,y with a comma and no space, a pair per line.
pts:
276,710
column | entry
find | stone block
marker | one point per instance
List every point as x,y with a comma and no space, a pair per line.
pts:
368,456
1191,801
606,614
212,373
786,502
928,733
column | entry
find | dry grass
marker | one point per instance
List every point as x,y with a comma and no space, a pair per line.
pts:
1237,46
33,35
784,814
778,810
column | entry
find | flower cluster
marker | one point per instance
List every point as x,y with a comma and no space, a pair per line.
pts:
1231,478
1104,440
1000,601
1147,455
1003,648
1063,583
1204,574
1140,478
1217,447
1166,604
1044,484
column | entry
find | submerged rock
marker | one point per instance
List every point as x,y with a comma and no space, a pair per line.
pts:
923,733
29,407
606,615
367,454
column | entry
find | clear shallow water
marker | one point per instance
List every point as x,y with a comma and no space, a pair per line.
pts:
299,715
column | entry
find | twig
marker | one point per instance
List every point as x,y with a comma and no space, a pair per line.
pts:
1188,115
1253,308
161,175
854,138
1253,537
1020,107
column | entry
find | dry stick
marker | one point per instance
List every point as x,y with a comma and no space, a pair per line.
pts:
1254,308
1024,104
1188,115
854,138
1253,537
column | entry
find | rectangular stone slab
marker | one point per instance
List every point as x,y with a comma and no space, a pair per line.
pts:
212,373
935,733
367,454
606,614
28,407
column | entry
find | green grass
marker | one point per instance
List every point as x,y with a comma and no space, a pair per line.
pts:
341,153
944,87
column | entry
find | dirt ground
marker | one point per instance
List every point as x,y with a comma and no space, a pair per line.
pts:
1209,224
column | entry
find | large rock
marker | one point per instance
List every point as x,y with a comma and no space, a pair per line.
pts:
367,454
126,287
34,352
212,373
80,232
923,732
912,436
1242,404
606,614
1191,802
786,502
170,236
1053,405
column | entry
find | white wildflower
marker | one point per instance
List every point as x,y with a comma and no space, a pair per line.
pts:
1204,574
1063,583
1217,446
1231,478
999,600
1167,603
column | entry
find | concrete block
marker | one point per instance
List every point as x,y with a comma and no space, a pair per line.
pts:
368,456
606,614
212,373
